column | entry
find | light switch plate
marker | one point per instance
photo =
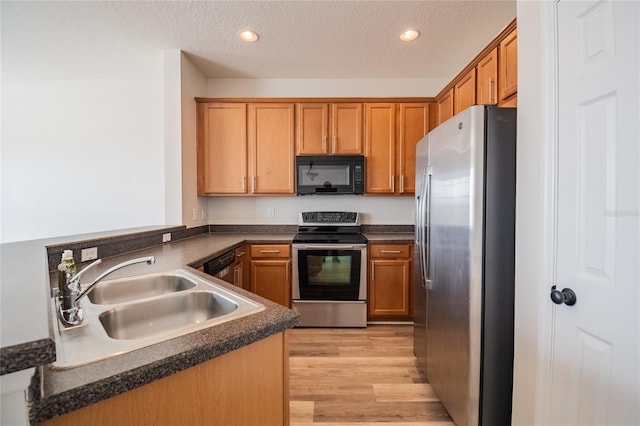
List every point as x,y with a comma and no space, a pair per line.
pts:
87,254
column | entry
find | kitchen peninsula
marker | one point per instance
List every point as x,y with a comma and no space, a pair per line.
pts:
225,360
244,358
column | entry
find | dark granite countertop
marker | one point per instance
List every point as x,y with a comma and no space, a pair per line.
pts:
389,237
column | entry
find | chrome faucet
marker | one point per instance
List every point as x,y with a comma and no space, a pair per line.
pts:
70,311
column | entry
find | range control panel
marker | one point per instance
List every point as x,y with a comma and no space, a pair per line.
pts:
330,218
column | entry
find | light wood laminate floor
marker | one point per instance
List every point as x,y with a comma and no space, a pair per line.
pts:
359,377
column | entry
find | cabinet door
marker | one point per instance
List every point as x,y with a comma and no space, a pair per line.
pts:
487,79
242,257
413,125
389,287
380,131
271,148
271,280
465,92
346,128
508,62
445,107
238,274
222,148
312,127
256,376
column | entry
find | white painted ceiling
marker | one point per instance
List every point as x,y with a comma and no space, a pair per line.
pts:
298,39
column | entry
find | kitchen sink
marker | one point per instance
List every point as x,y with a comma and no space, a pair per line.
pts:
138,287
157,316
132,313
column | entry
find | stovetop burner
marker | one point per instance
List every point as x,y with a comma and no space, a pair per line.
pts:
342,238
329,228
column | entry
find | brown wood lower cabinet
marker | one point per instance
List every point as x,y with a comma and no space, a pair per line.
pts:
271,272
249,386
242,268
389,282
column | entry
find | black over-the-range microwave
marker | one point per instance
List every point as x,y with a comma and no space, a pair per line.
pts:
330,174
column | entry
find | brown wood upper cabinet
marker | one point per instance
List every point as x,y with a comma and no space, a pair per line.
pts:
464,92
508,73
380,146
222,148
391,133
445,106
328,128
490,78
487,79
413,124
245,148
271,148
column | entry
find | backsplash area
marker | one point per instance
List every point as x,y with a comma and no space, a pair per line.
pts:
119,243
284,210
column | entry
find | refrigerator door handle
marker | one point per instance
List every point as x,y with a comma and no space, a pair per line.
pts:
421,229
427,231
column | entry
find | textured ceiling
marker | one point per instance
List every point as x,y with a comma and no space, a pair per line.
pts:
298,39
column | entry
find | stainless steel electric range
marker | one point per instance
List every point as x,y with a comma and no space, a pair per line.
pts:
330,270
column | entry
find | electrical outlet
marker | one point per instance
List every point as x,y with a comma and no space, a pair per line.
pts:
195,214
166,237
271,212
89,254
203,214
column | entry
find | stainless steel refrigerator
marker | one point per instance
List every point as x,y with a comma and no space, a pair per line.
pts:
465,249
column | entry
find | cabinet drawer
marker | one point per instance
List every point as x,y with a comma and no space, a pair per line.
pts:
390,250
270,250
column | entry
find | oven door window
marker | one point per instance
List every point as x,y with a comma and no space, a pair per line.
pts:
329,274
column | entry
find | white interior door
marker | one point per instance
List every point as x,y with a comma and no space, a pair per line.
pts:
595,375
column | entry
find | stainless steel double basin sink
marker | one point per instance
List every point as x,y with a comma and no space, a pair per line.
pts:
130,313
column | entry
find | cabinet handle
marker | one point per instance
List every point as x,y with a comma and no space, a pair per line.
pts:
401,183
390,251
286,274
244,184
253,186
240,254
236,277
373,275
324,144
335,144
269,251
393,183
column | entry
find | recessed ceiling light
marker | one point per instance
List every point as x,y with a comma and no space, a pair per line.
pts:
409,35
248,36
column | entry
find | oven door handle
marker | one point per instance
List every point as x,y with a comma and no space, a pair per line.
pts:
330,247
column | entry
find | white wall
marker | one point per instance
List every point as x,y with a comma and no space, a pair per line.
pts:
377,210
253,210
531,287
172,136
194,84
83,136
250,88
81,156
